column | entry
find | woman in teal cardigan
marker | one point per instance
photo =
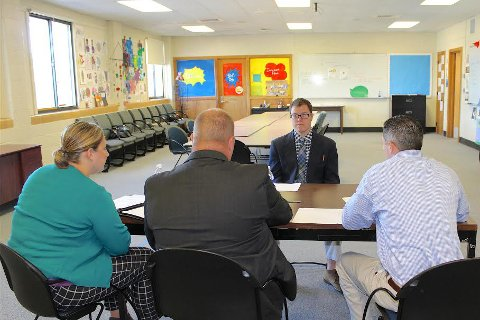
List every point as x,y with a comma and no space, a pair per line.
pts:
67,226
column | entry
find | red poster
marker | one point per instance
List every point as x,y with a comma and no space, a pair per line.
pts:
232,79
275,71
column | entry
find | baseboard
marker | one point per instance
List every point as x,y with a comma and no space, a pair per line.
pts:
469,143
368,129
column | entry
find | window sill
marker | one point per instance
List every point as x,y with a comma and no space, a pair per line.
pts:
6,123
143,104
72,114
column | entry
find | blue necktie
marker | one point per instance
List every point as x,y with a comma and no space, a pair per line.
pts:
302,162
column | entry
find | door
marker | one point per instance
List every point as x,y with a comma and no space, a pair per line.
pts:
454,92
232,87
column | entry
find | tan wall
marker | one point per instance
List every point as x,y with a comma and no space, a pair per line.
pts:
459,36
17,98
358,112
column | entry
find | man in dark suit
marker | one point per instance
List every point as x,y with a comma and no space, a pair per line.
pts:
305,156
214,204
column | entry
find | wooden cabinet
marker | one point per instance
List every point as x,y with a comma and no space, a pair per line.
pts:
17,162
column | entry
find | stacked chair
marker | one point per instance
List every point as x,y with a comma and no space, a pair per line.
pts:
161,119
139,128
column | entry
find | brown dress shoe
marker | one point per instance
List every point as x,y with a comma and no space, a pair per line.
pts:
331,277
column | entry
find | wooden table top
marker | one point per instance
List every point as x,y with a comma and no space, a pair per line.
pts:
6,149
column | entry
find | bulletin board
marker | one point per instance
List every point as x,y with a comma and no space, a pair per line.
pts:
270,76
134,84
343,75
473,79
198,78
410,74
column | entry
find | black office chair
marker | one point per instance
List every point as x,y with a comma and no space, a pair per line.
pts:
320,119
193,284
323,129
241,153
444,292
31,288
176,140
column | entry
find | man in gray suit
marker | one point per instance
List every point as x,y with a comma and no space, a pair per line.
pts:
213,204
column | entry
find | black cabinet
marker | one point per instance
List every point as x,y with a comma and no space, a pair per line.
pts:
411,105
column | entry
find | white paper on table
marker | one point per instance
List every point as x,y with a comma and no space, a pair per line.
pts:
128,201
346,199
287,186
138,212
318,216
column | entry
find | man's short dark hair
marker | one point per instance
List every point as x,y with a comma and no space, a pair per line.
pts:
300,102
406,132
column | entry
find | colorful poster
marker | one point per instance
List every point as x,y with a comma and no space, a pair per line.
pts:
133,66
267,71
232,79
198,78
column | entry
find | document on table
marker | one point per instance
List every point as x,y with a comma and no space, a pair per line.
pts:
287,186
318,216
129,201
137,212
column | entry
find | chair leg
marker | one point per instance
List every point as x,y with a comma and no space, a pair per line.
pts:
178,161
286,307
101,310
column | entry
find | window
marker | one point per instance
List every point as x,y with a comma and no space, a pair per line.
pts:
52,60
155,81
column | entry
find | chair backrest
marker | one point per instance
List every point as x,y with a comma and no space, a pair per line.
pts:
146,114
27,282
190,125
137,116
241,153
115,119
177,138
446,291
162,110
154,111
104,123
168,108
323,129
321,118
193,284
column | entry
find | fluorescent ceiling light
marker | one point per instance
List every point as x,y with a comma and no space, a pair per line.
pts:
198,28
438,2
293,3
145,5
299,26
403,24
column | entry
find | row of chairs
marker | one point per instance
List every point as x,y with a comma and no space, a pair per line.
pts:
187,284
135,132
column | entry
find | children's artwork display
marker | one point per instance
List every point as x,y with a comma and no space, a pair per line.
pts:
197,78
270,76
92,69
133,68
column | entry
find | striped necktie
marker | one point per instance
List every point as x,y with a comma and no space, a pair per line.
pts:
302,162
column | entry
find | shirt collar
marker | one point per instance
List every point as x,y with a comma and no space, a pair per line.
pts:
408,154
297,135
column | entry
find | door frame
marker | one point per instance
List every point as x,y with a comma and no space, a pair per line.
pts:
454,91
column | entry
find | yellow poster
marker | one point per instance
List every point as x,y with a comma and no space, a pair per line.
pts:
270,76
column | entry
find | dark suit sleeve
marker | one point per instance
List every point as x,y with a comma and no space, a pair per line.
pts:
331,167
279,209
148,231
274,163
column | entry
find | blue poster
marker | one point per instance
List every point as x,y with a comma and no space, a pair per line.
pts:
410,74
197,78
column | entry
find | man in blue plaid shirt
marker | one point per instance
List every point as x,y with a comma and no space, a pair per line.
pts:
415,203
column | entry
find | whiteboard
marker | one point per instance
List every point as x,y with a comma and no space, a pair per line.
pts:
343,75
474,76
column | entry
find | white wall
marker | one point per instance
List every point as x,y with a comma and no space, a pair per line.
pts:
358,112
453,37
18,101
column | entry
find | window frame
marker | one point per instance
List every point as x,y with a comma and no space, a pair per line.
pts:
55,108
155,96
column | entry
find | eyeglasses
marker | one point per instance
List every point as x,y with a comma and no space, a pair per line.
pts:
304,115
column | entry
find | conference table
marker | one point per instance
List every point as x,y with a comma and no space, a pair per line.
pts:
328,196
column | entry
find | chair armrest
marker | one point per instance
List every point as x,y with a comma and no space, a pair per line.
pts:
288,290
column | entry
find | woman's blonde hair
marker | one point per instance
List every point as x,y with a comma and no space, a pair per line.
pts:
76,138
